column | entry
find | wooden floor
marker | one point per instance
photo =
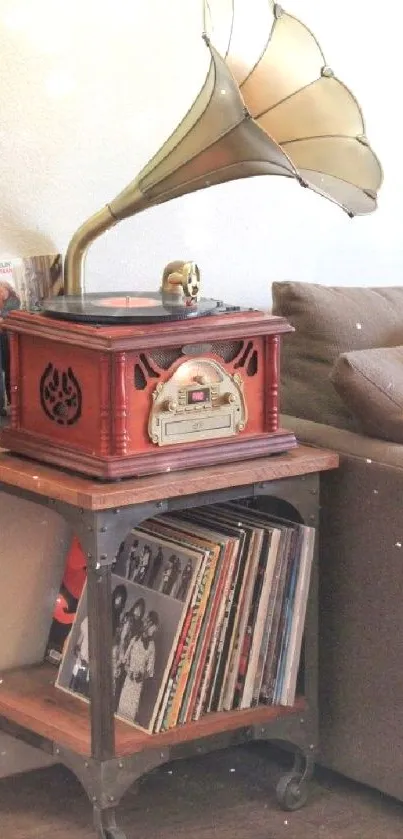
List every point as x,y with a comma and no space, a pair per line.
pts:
228,795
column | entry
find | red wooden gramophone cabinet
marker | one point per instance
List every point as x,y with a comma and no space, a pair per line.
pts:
117,401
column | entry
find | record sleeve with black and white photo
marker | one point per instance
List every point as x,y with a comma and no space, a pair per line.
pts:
147,621
155,563
182,670
180,529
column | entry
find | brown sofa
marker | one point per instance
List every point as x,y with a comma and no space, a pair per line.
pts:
340,379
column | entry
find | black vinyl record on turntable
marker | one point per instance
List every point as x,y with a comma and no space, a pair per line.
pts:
179,298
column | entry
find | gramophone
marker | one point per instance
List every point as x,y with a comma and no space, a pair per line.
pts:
131,382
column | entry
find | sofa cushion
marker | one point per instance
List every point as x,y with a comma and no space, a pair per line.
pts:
330,321
370,383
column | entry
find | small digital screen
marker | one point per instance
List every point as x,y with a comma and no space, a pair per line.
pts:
195,397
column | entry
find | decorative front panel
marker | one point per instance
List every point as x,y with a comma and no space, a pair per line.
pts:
59,392
200,401
195,393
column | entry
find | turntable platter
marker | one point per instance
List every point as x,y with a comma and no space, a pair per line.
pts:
123,307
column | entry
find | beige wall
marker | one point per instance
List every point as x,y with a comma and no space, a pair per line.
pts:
90,90
16,757
33,547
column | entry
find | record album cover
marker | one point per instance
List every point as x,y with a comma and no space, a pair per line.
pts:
149,604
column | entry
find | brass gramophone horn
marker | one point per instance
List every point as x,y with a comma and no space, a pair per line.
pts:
270,106
217,141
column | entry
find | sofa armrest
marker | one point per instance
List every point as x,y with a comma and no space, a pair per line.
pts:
345,442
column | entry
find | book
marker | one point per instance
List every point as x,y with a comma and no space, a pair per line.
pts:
34,278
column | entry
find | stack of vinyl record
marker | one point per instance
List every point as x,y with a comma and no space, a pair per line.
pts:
208,615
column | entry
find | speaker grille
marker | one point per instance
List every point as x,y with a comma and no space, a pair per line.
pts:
251,367
165,358
227,350
140,381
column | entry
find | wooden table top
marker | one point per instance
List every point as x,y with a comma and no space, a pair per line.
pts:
35,477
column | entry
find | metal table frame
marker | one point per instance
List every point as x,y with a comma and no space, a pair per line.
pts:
106,776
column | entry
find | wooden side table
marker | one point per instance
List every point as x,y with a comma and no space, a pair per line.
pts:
107,755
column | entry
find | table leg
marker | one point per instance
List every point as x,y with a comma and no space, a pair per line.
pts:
100,653
105,824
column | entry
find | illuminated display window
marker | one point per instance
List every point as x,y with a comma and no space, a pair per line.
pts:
195,397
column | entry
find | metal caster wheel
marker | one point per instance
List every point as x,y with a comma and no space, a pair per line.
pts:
111,833
292,792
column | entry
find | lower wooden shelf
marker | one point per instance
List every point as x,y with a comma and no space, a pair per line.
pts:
29,699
